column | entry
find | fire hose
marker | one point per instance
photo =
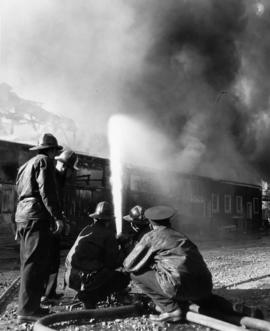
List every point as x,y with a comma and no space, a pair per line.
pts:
86,315
225,323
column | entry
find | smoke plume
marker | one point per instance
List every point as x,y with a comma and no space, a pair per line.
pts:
194,73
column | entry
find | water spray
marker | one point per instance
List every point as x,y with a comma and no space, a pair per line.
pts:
116,150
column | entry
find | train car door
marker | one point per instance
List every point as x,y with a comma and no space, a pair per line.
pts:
249,210
7,210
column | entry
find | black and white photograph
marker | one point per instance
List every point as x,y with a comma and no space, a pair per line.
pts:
134,165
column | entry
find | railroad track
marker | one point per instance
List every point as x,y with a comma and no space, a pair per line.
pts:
253,279
8,295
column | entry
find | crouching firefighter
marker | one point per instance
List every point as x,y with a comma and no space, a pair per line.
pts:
134,228
168,267
92,261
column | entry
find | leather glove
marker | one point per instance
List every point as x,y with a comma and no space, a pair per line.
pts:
58,227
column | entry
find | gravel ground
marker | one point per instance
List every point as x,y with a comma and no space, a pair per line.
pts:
232,263
241,271
134,324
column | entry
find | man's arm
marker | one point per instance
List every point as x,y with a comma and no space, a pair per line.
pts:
47,187
114,256
140,256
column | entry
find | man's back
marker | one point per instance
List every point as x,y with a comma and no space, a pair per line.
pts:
95,248
27,185
172,254
36,189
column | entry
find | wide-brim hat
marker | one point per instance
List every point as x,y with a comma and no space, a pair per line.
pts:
160,213
46,141
69,158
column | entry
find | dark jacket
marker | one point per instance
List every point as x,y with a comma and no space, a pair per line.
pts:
37,190
130,237
180,268
94,254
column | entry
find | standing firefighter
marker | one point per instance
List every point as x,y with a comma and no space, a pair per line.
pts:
65,168
91,262
38,212
168,267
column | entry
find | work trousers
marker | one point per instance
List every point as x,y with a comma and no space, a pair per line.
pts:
149,285
34,255
116,282
51,282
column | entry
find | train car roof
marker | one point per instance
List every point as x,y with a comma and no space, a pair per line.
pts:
198,177
27,146
143,169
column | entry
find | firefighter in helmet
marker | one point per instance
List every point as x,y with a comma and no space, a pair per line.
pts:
67,162
66,166
135,227
92,261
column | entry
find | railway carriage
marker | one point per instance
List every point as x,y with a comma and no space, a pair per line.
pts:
203,204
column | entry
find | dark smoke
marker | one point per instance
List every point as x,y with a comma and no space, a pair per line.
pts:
195,71
199,54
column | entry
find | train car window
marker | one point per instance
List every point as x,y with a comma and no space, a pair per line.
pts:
227,203
215,203
256,206
239,204
8,199
137,184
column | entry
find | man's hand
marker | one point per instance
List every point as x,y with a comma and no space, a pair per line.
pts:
58,227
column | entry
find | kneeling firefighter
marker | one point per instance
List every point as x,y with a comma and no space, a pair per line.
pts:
92,261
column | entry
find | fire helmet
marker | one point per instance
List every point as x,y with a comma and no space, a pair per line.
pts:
104,211
69,158
136,215
46,141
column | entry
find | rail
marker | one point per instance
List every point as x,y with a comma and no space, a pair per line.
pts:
253,279
9,292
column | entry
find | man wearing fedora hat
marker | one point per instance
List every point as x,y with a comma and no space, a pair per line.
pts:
92,261
38,212
168,267
66,166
